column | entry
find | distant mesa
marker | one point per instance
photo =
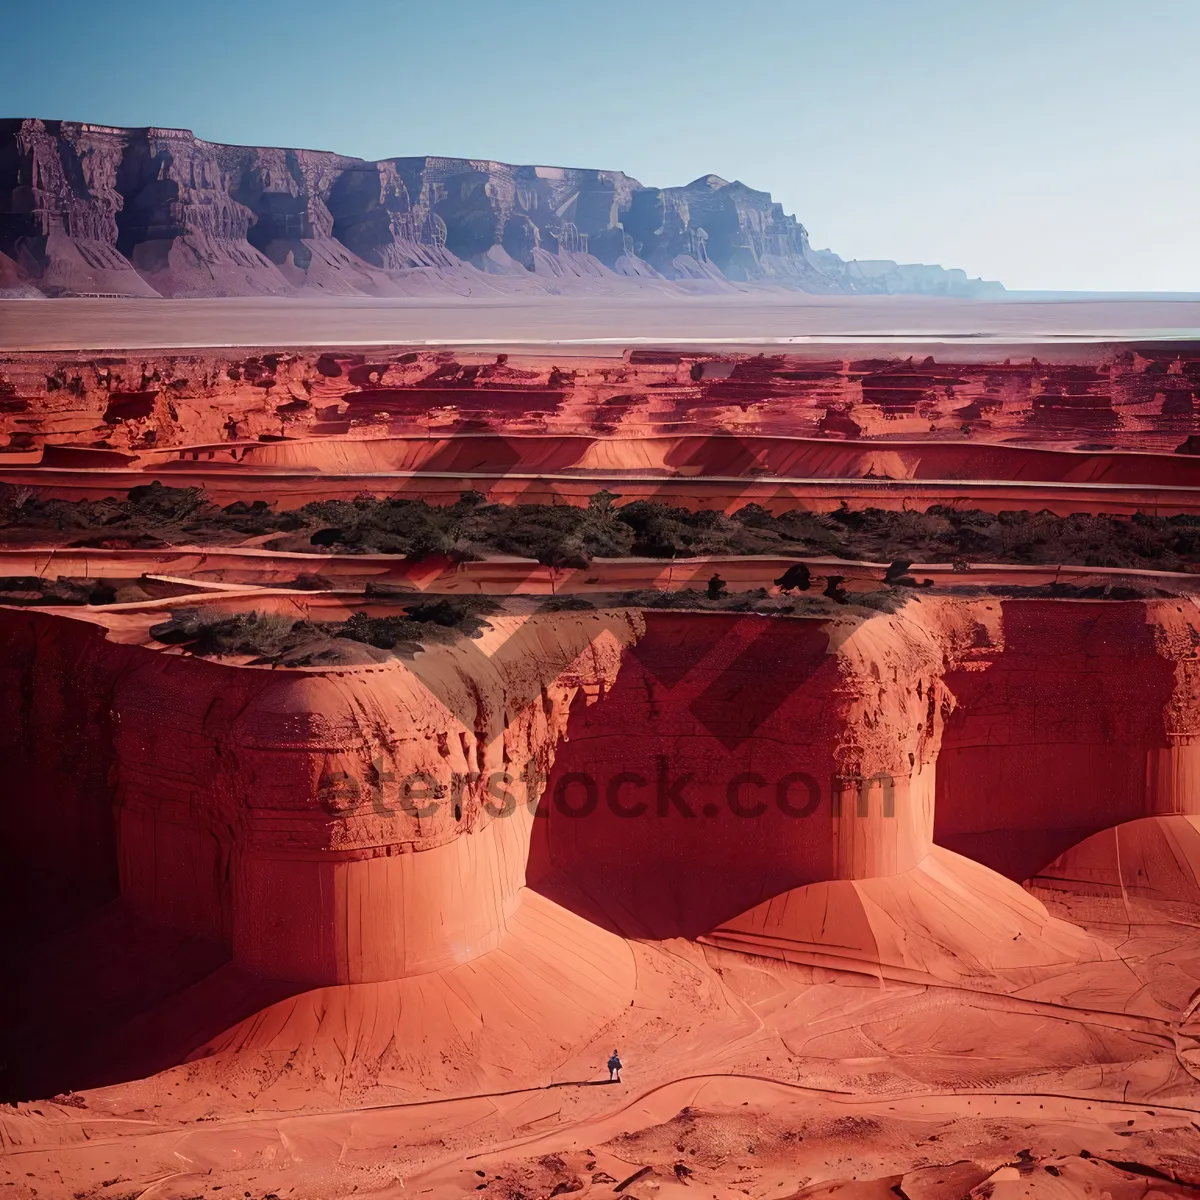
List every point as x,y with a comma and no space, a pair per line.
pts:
92,210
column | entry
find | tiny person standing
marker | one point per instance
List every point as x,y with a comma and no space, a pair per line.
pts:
614,1068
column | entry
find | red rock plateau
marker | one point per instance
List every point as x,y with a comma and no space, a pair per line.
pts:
101,211
822,732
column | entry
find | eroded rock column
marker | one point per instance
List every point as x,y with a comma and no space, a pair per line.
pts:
1173,771
893,704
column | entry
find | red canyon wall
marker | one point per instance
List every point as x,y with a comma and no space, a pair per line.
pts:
273,409
266,809
690,766
1075,717
724,767
57,728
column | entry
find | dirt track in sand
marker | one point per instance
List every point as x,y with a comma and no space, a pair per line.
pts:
224,568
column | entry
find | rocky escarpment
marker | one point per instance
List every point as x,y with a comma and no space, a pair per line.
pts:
324,826
353,823
90,209
1100,400
1071,718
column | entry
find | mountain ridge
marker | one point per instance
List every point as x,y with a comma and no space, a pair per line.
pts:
103,210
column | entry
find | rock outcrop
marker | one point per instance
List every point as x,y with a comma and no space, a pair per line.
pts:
272,812
886,418
1066,726
91,209
366,822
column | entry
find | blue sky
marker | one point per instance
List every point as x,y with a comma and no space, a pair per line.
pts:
1047,143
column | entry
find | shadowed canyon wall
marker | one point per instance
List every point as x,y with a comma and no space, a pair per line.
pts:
91,209
1077,717
737,758
362,823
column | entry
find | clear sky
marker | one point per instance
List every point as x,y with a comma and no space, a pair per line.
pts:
1046,143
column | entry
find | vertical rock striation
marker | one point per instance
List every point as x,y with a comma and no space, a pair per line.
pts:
767,783
95,209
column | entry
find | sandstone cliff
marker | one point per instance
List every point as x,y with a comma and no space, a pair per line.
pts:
357,823
91,209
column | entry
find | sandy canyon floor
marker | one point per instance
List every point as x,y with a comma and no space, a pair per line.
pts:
391,731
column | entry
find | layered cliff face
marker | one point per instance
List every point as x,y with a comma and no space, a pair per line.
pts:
809,745
326,827
87,209
740,231
360,823
885,417
1070,719
467,833
58,215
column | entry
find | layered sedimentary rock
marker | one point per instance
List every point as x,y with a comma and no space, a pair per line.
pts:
327,827
401,409
809,745
1069,722
663,774
89,209
59,213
